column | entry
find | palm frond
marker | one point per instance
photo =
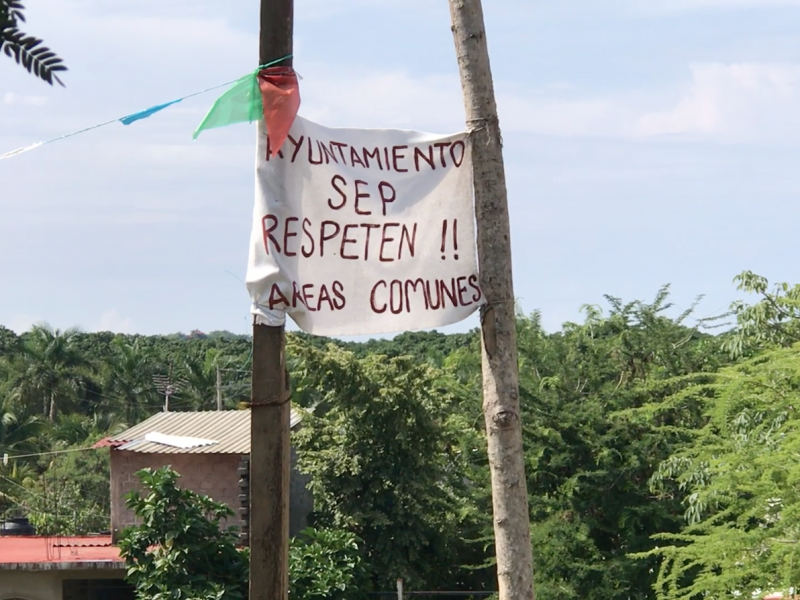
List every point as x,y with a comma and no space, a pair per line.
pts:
27,50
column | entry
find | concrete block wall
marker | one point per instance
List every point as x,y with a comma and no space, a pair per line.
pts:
213,475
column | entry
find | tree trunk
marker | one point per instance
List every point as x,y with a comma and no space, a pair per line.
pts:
270,409
498,319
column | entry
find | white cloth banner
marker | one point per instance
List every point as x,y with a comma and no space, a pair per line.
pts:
363,231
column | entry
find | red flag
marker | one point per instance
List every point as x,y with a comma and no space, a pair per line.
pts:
280,96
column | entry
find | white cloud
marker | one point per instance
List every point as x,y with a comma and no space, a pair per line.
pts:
112,321
549,115
382,99
733,103
662,6
748,102
20,323
742,103
12,98
321,9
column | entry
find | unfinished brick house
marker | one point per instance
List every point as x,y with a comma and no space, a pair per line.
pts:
206,448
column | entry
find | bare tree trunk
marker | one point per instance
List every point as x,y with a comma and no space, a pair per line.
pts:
498,319
270,409
270,462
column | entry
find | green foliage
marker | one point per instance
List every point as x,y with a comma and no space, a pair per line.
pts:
61,507
427,346
739,477
127,377
588,462
64,390
48,368
27,50
773,321
383,463
78,431
9,341
71,496
200,375
180,551
326,564
19,435
66,493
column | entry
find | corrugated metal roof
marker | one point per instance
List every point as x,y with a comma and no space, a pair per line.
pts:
229,428
28,551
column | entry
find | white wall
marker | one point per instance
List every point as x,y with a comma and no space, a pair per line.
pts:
45,585
30,585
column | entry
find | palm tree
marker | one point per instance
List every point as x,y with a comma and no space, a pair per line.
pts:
18,435
75,430
128,382
201,378
49,367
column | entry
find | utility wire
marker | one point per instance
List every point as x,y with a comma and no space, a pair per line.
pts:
46,453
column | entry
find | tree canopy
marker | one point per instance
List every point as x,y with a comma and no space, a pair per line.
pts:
659,454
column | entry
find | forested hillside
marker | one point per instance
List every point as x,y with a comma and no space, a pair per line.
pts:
661,457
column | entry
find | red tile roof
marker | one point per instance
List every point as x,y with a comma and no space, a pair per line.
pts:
36,549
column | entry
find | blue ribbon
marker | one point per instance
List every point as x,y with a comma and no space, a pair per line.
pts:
143,114
132,118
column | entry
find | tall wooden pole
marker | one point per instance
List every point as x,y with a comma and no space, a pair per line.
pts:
270,409
498,320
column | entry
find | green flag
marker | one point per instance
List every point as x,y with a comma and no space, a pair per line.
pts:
241,103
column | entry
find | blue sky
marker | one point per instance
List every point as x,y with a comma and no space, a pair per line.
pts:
646,142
